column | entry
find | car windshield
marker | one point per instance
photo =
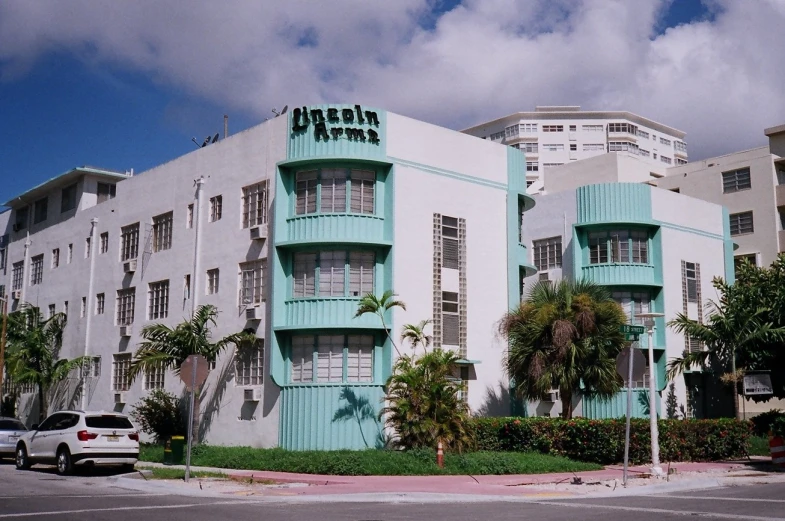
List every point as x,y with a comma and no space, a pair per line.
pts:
12,425
108,422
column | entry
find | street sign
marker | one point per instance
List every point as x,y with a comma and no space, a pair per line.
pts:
638,364
194,371
631,338
757,384
629,329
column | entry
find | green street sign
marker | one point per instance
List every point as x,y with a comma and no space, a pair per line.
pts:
631,337
629,329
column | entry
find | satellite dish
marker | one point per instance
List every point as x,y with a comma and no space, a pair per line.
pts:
215,138
285,108
206,141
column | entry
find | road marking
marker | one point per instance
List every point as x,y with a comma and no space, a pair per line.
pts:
661,511
753,500
112,509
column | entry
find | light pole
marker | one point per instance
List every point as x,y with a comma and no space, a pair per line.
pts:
648,321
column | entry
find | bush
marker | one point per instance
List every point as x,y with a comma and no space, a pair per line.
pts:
762,422
159,415
778,427
602,441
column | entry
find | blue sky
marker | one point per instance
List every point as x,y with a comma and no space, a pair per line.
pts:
130,89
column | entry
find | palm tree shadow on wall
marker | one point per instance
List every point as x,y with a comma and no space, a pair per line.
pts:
358,409
214,403
496,402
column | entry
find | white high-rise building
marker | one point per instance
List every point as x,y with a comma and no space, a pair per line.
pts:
556,135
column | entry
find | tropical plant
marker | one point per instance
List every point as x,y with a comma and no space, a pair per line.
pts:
160,415
167,348
34,345
424,405
357,408
564,336
415,334
672,403
370,303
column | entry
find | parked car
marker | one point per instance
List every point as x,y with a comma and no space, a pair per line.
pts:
77,438
11,430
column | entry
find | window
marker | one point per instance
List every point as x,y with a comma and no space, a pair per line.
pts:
105,192
252,282
359,358
633,304
680,146
644,153
741,223
691,281
553,147
619,246
65,308
643,134
547,253
592,128
532,166
249,363
680,161
55,258
626,128
573,147
639,244
91,368
666,160
330,354
363,187
20,222
511,131
104,241
361,273
530,148
216,206
162,231
100,303
738,260
497,136
129,242
37,270
126,298
664,141
68,198
450,318
332,266
573,128
52,311
553,128
780,175
302,358
187,286
39,210
622,146
450,243
83,308
306,192
212,282
189,216
70,255
87,245
121,367
736,180
3,252
158,300
332,271
154,378
255,204
304,275
333,181
17,274
594,147
527,128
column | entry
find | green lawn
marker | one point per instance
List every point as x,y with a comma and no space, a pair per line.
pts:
373,462
759,446
169,473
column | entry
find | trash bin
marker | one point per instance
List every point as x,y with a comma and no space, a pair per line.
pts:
177,450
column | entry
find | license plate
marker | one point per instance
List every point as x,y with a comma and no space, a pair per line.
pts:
13,438
113,438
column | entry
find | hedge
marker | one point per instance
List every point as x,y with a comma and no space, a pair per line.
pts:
602,441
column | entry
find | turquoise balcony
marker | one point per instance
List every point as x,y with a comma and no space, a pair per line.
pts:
621,274
344,228
324,312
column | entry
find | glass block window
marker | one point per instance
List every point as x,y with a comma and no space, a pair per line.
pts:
547,253
741,223
158,300
255,204
736,180
249,364
129,242
162,231
121,367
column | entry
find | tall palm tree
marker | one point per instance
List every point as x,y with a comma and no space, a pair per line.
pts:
415,334
34,345
564,336
370,303
725,335
167,348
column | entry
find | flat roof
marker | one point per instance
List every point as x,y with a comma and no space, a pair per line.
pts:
774,130
63,179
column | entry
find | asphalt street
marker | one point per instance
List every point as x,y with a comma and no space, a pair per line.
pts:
41,494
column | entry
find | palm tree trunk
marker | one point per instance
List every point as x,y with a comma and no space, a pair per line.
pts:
41,404
566,403
735,386
381,315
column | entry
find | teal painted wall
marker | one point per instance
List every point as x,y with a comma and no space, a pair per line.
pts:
614,203
728,247
303,144
616,407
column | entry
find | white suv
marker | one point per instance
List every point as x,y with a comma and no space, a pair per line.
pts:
69,438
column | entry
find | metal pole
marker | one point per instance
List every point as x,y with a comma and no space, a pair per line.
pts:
629,413
190,423
655,444
2,344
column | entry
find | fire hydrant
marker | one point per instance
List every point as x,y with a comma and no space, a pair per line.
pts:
440,455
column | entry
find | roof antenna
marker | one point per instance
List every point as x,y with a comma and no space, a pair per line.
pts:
283,111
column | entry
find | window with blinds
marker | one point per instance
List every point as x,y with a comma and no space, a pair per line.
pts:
330,354
332,270
304,275
333,181
361,273
451,251
306,192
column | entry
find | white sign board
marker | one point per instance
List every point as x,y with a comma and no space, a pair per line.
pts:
755,384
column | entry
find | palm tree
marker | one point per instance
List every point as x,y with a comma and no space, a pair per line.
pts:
370,303
167,348
564,336
34,345
357,408
724,335
415,334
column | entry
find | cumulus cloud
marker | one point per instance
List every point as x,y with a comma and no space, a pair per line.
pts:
720,80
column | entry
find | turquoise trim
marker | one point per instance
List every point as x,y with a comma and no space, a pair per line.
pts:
449,173
621,274
323,312
616,406
517,202
614,203
349,228
305,144
728,248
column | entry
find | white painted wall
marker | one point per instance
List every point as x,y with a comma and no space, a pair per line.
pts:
615,167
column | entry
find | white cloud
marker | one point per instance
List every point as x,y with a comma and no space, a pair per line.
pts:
720,81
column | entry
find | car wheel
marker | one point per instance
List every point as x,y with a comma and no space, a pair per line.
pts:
64,464
22,461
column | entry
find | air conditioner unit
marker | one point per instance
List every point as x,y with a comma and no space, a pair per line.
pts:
254,394
552,396
259,232
119,398
126,330
130,266
16,294
253,313
545,276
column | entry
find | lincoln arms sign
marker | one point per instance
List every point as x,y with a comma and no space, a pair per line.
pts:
332,123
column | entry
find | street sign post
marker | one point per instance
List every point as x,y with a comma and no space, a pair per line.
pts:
631,359
193,373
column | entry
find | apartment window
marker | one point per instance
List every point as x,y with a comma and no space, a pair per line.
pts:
121,368
306,192
363,188
37,270
162,231
332,273
65,308
3,252
100,303
573,147
70,255
680,146
17,273
511,131
738,260
255,204
87,246
680,161
643,134
249,363
497,136
547,253
359,358
252,282
158,300
529,148
333,185
527,128
553,128
666,160
361,273
126,298
644,153
189,216
741,223
129,242
39,210
55,258
105,192
154,377
592,128
21,217
654,155
83,308
68,198
91,368
450,319
736,180
450,243
593,147
212,281
622,146
691,281
187,286
301,357
216,207
104,241
623,127
330,354
619,246
304,275
532,166
553,147
573,128
633,304
664,141
52,311
329,358
781,176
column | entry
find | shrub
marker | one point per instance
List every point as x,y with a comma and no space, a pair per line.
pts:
159,415
778,427
602,441
762,422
